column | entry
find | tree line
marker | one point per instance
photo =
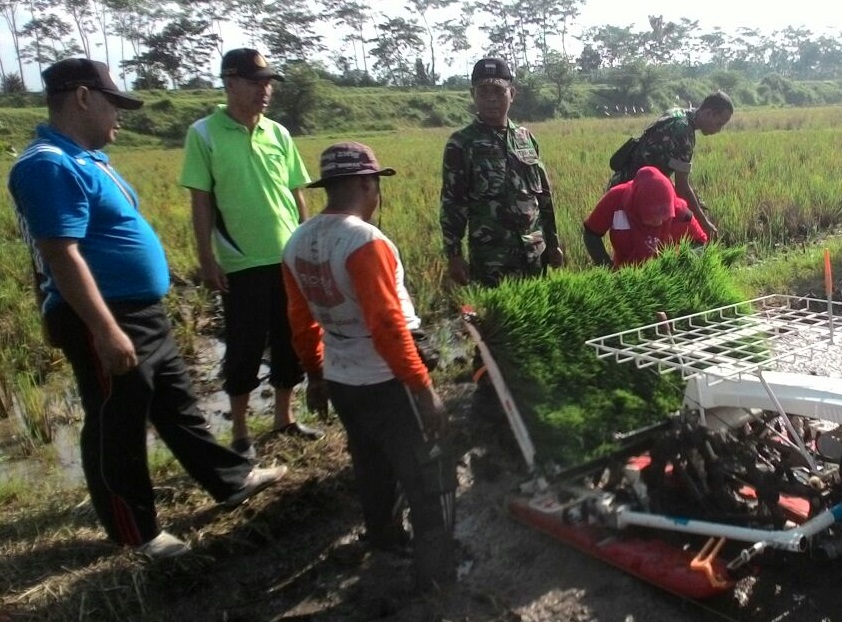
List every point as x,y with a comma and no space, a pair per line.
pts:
158,45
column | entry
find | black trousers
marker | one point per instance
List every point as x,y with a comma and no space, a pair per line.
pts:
388,448
255,310
117,410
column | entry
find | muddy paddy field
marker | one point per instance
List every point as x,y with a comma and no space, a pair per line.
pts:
294,552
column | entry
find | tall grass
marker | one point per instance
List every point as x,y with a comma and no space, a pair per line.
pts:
772,178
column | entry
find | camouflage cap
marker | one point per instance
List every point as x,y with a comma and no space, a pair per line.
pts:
346,159
491,71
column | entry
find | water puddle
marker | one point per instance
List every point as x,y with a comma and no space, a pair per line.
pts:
61,458
61,461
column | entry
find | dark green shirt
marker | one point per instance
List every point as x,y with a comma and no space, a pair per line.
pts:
667,144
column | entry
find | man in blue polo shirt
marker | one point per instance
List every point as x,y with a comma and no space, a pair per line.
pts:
103,274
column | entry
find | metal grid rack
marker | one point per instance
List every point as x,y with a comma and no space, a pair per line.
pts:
744,338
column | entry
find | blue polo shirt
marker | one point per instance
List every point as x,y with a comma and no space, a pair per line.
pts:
63,191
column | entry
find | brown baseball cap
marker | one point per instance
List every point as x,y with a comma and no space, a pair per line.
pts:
71,73
491,71
346,159
249,64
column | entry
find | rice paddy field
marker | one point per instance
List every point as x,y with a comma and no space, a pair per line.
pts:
772,180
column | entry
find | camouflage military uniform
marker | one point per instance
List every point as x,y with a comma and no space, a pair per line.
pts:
667,144
495,186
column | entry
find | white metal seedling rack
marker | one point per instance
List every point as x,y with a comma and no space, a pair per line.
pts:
725,345
730,342
726,342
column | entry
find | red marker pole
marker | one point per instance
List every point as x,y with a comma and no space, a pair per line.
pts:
828,290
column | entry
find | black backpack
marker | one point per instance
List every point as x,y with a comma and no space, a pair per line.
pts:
622,158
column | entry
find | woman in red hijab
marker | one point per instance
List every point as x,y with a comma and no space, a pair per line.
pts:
640,216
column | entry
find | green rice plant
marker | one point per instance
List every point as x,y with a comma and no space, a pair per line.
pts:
771,179
31,405
13,489
573,401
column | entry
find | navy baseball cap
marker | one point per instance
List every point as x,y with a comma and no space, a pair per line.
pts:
491,71
71,73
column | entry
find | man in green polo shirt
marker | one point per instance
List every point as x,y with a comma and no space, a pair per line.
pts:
245,177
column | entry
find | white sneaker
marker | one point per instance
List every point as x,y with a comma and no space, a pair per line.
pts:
255,481
162,546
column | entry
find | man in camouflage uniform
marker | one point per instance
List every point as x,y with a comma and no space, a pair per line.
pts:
495,186
668,145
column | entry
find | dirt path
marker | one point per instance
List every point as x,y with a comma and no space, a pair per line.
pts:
293,553
313,567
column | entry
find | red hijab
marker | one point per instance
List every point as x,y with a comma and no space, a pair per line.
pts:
649,197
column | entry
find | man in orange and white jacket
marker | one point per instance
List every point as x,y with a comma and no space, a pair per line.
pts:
351,319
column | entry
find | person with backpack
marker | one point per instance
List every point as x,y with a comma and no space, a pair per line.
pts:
668,145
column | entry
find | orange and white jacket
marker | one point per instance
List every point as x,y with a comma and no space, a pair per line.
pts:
349,310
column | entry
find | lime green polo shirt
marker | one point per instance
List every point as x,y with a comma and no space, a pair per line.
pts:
251,175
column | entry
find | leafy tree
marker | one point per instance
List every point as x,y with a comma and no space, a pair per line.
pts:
353,15
197,84
13,83
51,40
548,18
9,9
825,59
33,6
148,77
290,31
214,13
498,24
398,42
773,89
665,39
81,12
102,15
589,60
524,33
569,11
297,101
787,49
728,81
183,47
501,42
248,15
558,71
752,48
532,102
615,45
453,35
423,77
716,43
134,21
425,9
